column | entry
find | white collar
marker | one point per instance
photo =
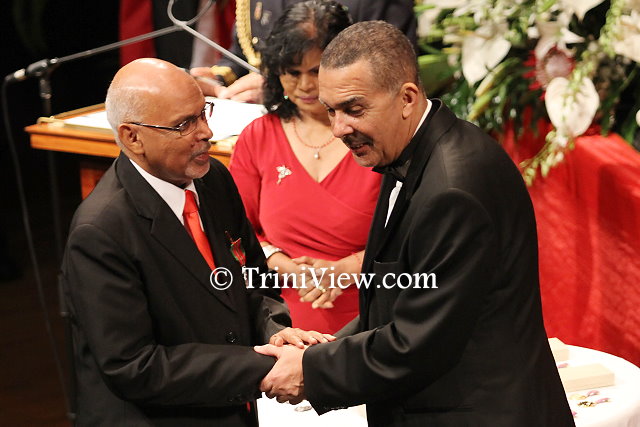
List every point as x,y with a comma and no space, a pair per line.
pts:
424,117
170,193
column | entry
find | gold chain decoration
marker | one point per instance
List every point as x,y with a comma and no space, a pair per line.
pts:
243,30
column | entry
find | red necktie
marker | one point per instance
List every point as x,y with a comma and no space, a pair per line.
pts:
192,224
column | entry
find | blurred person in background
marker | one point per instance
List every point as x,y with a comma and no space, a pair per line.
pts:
296,179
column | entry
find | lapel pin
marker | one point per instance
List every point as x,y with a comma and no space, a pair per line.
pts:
283,172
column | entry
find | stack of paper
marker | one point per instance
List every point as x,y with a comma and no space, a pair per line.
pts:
585,376
559,349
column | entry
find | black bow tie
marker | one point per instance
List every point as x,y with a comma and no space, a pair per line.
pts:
398,171
394,172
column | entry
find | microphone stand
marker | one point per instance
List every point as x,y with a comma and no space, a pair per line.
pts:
185,26
42,70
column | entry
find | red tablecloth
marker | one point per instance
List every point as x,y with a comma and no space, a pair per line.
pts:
588,215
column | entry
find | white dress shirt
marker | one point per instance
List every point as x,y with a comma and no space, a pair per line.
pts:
171,194
396,190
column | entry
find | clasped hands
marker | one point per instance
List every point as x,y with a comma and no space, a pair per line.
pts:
285,381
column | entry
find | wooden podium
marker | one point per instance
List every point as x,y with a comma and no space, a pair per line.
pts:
96,146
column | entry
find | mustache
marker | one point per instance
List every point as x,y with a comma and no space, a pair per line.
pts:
204,150
356,139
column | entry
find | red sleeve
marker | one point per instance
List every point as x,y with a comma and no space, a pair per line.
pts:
247,175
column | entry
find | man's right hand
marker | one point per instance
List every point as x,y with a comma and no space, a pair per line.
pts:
285,381
246,89
208,83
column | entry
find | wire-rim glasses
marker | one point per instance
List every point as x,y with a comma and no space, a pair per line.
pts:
188,126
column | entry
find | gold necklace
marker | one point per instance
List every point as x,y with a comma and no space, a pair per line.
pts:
316,155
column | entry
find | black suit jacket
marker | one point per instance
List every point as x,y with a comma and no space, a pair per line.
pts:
397,12
154,342
473,351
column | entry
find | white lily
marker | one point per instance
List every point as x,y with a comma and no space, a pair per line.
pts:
426,21
477,8
445,4
633,4
627,41
579,7
482,50
460,7
555,33
638,117
571,114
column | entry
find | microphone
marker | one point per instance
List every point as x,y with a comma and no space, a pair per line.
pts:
34,70
40,68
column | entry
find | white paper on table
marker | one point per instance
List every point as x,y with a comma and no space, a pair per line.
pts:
229,118
97,119
624,408
274,414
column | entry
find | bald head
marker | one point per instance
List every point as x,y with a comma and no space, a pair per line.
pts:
146,102
141,90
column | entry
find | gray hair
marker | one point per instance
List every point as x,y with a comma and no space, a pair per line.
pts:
388,51
124,104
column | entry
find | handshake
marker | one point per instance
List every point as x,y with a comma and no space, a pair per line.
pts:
285,381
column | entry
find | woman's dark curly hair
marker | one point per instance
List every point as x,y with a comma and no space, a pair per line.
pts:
302,27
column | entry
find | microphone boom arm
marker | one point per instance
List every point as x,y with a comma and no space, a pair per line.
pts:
185,26
44,66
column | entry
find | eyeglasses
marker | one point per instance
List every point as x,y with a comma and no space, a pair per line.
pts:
186,127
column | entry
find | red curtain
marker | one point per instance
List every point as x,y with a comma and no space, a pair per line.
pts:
225,18
136,18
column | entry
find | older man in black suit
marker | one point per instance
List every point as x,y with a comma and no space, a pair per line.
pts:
155,342
450,330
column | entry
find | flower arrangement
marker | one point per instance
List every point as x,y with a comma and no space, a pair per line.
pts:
571,62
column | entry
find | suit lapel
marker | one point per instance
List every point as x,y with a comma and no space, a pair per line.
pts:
166,228
214,224
377,223
373,243
427,136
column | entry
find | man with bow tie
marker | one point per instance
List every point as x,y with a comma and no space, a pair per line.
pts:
468,348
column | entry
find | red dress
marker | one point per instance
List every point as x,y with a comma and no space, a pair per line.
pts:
288,208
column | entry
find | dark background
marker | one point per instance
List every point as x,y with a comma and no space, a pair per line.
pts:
31,30
31,389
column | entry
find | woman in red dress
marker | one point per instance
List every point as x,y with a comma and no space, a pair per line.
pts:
309,202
